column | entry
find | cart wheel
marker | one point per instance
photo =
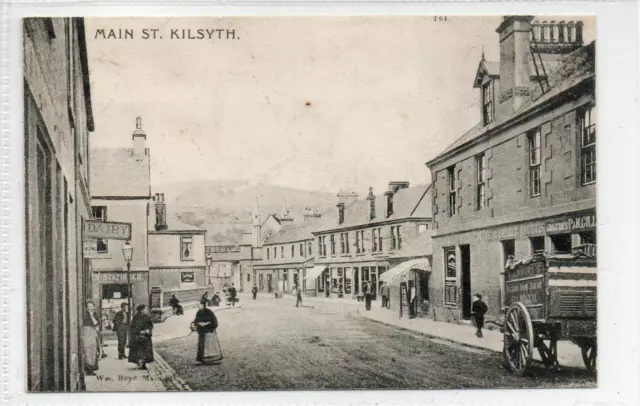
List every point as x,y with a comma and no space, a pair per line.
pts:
518,339
589,354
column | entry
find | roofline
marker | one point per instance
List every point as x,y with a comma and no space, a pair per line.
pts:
377,223
84,65
121,197
420,201
288,242
511,121
195,231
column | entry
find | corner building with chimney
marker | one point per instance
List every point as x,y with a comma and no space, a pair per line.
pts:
121,192
360,242
523,179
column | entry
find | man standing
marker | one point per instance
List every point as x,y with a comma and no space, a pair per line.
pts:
254,291
478,310
298,293
367,295
412,300
121,327
232,294
384,292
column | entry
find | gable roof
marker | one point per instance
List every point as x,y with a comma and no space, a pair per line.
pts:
571,70
118,172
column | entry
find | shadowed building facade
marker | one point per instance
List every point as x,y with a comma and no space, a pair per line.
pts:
57,121
524,178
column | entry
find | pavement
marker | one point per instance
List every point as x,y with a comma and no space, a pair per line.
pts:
569,354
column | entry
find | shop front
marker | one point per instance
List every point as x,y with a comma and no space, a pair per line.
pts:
111,289
472,262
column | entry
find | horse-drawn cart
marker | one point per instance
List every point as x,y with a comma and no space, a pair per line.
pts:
550,298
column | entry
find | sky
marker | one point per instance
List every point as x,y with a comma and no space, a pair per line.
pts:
313,103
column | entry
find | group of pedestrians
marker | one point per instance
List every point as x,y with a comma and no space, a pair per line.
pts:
134,333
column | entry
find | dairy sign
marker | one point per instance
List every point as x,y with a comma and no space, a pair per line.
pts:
107,230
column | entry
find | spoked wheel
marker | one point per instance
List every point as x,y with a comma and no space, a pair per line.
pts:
589,349
518,339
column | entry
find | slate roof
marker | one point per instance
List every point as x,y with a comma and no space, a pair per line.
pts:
177,225
570,71
118,172
413,202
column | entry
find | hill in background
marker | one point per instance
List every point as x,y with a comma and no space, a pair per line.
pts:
225,208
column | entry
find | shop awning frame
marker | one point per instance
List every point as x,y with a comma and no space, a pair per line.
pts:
315,272
420,264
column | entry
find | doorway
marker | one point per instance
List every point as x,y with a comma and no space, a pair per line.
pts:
465,254
113,295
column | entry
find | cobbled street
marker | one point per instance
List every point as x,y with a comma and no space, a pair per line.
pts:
271,344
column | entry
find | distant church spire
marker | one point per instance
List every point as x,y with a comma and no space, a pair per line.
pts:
257,227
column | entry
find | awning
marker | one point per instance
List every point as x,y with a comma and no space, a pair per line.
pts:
314,272
420,264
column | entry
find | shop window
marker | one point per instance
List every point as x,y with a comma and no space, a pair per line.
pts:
588,145
561,243
451,173
534,163
481,181
100,213
186,248
508,251
537,244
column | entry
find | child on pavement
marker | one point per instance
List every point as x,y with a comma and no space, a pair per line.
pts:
478,310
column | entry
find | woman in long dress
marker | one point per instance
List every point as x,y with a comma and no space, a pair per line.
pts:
90,339
141,347
206,323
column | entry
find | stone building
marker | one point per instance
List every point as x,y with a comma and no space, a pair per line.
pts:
176,251
57,121
121,191
288,256
355,245
524,178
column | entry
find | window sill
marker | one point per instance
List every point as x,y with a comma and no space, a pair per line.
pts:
187,259
102,256
534,196
589,183
450,306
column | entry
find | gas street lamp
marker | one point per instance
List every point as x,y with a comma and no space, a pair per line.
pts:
209,261
127,252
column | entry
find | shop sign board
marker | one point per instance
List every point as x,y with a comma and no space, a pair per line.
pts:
108,230
116,277
539,228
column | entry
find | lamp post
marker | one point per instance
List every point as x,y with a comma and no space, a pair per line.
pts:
127,252
209,261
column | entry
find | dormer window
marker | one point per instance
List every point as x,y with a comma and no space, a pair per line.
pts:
488,108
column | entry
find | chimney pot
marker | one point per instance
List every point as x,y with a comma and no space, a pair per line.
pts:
161,212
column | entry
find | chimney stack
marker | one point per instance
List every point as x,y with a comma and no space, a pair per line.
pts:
340,213
372,204
139,139
161,212
515,72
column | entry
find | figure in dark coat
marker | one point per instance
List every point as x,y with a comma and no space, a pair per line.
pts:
141,347
175,304
121,326
206,323
91,343
232,294
478,310
368,292
254,291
